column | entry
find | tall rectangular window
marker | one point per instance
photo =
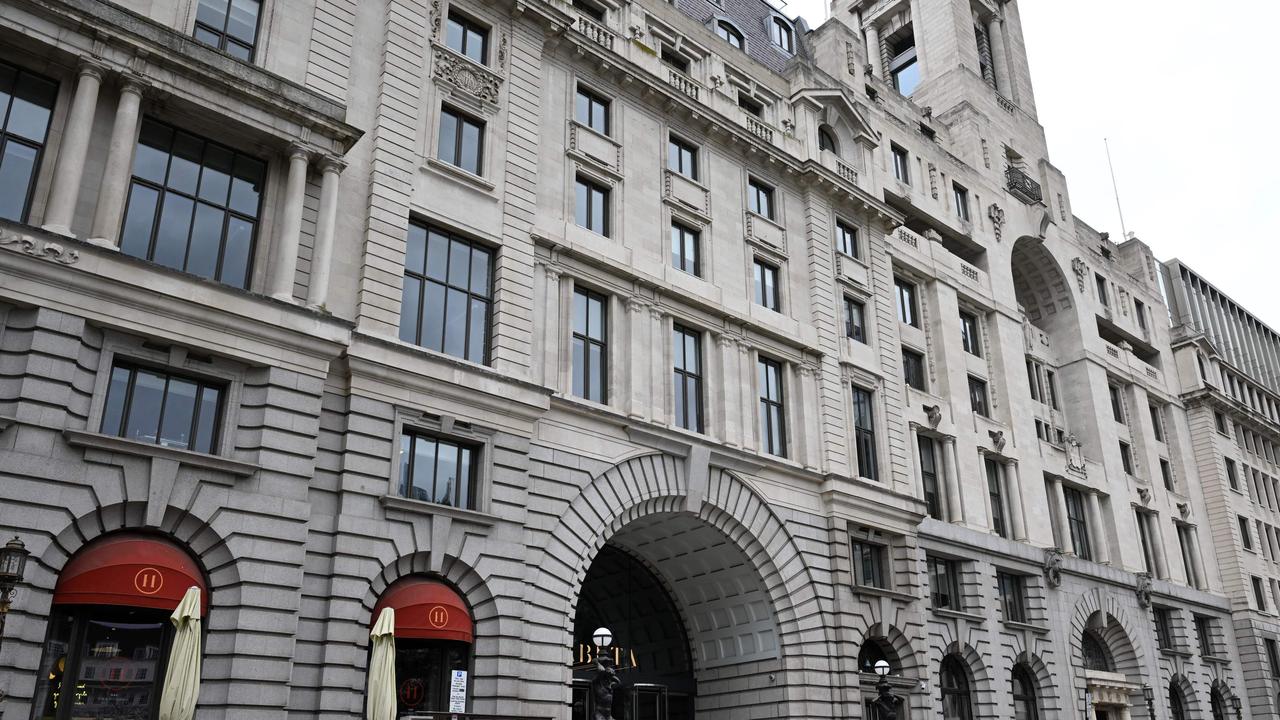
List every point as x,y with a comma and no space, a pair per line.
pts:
766,285
157,407
467,38
682,157
903,68
1157,422
447,293
929,476
905,294
869,561
193,205
901,164
773,424
1126,457
1187,546
864,434
461,140
944,584
686,347
969,336
1140,313
854,320
1204,634
1166,474
1144,538
1220,422
592,110
913,369
978,400
1013,596
847,239
1101,282
1232,479
1245,536
1117,403
1260,594
229,25
1273,657
1077,523
1051,384
961,197
26,105
760,198
437,470
590,345
995,493
686,249
591,206
1164,627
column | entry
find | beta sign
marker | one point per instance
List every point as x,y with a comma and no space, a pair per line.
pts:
458,692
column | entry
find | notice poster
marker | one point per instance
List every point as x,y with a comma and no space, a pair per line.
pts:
458,691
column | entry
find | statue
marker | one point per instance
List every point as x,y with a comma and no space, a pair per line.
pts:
934,414
1053,566
886,703
603,685
1144,589
1075,455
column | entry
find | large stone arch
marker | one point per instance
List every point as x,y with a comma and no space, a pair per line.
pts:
910,661
1042,289
1187,691
1117,631
1046,685
658,485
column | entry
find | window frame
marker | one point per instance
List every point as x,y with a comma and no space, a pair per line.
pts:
930,482
949,572
681,148
54,88
470,26
906,58
970,334
410,435
901,163
593,187
757,191
1163,619
848,240
908,311
583,335
996,496
728,32
597,107
1204,634
782,35
1126,457
461,121
682,377
473,245
862,551
864,433
220,436
762,271
913,369
1012,590
686,237
224,35
770,407
855,328
979,396
452,429
960,195
1078,526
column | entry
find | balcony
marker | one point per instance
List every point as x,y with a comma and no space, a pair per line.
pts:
757,127
1022,186
683,83
595,32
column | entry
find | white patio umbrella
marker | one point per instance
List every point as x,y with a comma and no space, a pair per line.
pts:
182,676
381,701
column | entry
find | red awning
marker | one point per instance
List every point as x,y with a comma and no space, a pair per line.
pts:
132,570
427,609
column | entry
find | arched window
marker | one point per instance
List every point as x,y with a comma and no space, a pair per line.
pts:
781,35
1095,653
434,632
957,704
874,650
1176,709
1217,704
827,140
1024,694
729,33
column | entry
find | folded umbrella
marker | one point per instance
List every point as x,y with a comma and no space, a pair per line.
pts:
381,701
182,674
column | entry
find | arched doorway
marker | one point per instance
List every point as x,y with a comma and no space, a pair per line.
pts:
109,633
434,632
1112,672
1026,704
957,691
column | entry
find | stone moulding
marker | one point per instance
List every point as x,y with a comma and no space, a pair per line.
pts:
453,69
38,247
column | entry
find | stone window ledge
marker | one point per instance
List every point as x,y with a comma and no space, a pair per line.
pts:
1174,652
421,507
944,612
1015,625
125,446
883,592
457,173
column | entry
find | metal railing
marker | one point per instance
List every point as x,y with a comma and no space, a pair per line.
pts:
1022,186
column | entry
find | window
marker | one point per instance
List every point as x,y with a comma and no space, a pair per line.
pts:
1094,652
1232,479
1166,474
847,239
827,140
1157,422
780,34
1013,596
1245,536
961,196
760,198
869,562
26,104
591,206
969,337
686,348
957,704
446,300
903,67
766,285
1273,657
193,205
229,25
685,249
978,397
1217,704
854,321
678,62
1144,538
1101,282
901,165
467,38
437,470
1117,404
589,9
864,434
1164,627
1177,710
944,584
1126,457
1140,314
591,110
906,297
929,476
1077,524
729,34
773,428
913,369
995,492
1025,705
1220,422
682,158
461,140
1052,387
1204,634
590,345
157,407
1186,543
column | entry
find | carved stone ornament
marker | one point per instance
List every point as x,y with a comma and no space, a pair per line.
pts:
1143,590
789,126
1075,455
997,439
996,214
1145,495
934,415
1080,269
502,52
1184,509
449,67
933,180
435,19
38,247
1053,566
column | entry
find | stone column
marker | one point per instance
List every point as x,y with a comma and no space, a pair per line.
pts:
810,417
283,269
727,384
547,342
999,60
660,395
1199,580
750,405
951,473
115,178
69,170
1101,551
1157,544
326,225
873,50
638,375
1017,513
1059,508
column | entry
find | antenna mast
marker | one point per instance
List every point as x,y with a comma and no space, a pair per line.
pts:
1115,189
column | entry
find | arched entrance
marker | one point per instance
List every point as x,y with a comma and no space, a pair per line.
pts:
1112,672
1041,288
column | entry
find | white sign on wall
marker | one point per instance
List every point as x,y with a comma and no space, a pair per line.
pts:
458,691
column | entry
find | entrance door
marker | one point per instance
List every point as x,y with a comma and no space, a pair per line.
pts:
649,702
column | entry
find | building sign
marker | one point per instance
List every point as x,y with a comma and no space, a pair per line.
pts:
458,691
585,655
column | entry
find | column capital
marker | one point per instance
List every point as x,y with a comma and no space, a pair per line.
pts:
298,150
726,341
636,305
656,312
553,272
133,83
91,67
331,164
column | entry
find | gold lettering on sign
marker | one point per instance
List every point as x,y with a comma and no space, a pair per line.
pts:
586,654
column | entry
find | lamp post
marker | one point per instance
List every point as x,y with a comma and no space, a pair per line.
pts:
1150,696
606,680
13,564
886,701
1238,705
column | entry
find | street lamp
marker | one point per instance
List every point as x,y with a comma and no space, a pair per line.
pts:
1150,696
1237,704
886,702
606,680
13,564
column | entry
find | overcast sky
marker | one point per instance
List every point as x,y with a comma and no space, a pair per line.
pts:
1188,99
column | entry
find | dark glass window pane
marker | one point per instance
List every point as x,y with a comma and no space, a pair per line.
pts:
202,259
143,422
184,164
31,107
17,169
117,393
459,263
476,335
448,146
410,300
207,36
579,361
212,12
207,422
437,255
179,414
215,179
480,273
171,236
135,238
242,22
446,474
415,252
151,159
433,310
463,494
424,468
455,331
470,149
246,187
237,253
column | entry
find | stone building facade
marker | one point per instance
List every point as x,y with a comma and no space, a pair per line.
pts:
776,350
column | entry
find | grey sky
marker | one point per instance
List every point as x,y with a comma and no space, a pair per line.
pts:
1182,95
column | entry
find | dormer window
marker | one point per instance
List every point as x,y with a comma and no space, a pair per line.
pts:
827,140
903,67
781,34
750,104
729,34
